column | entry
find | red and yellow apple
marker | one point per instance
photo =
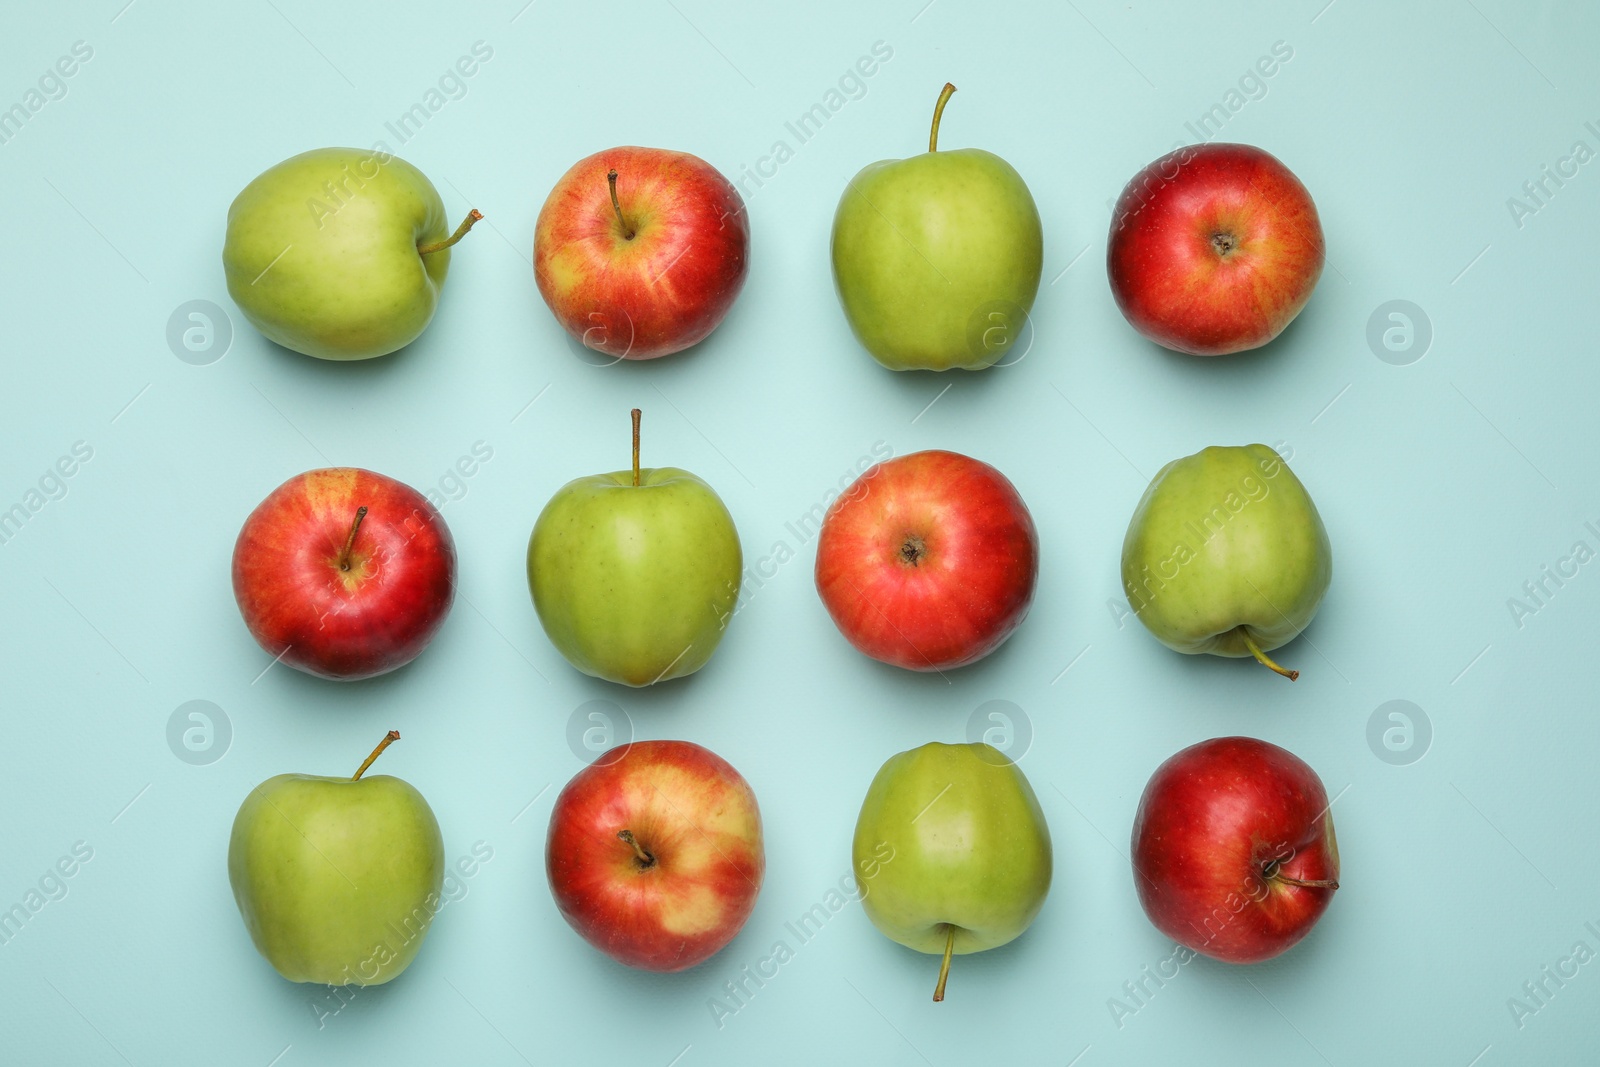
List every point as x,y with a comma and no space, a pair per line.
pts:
655,854
1214,248
344,573
928,561
640,252
1234,854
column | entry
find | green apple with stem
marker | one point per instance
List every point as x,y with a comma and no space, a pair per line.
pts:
936,258
1226,554
635,573
337,879
951,851
339,253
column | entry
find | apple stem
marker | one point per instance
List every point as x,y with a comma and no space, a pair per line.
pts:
627,231
461,231
944,967
938,111
388,739
1309,883
637,415
1273,873
1262,657
350,542
646,861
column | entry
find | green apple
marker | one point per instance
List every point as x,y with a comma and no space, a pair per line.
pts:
635,574
1226,554
337,879
339,253
951,851
936,258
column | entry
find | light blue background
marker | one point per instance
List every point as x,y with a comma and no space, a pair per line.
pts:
1445,485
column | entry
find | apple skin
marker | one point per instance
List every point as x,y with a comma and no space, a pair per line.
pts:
928,561
1214,248
1261,572
302,607
1219,828
668,286
337,879
694,816
928,250
347,224
635,584
967,846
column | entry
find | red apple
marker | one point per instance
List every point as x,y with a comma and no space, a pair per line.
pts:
928,561
344,573
654,854
640,252
1214,248
1234,855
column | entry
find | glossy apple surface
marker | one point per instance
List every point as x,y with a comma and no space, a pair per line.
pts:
339,253
1234,854
635,573
951,851
655,854
340,604
1214,248
337,878
928,561
937,257
1226,554
652,273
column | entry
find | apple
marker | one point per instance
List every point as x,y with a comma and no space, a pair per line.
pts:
640,252
937,258
1234,854
339,253
635,574
344,573
951,852
655,855
337,879
928,561
1226,554
1214,248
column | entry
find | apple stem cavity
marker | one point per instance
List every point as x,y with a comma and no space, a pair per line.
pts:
640,853
388,739
461,231
933,134
1263,658
627,231
350,542
637,415
944,967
